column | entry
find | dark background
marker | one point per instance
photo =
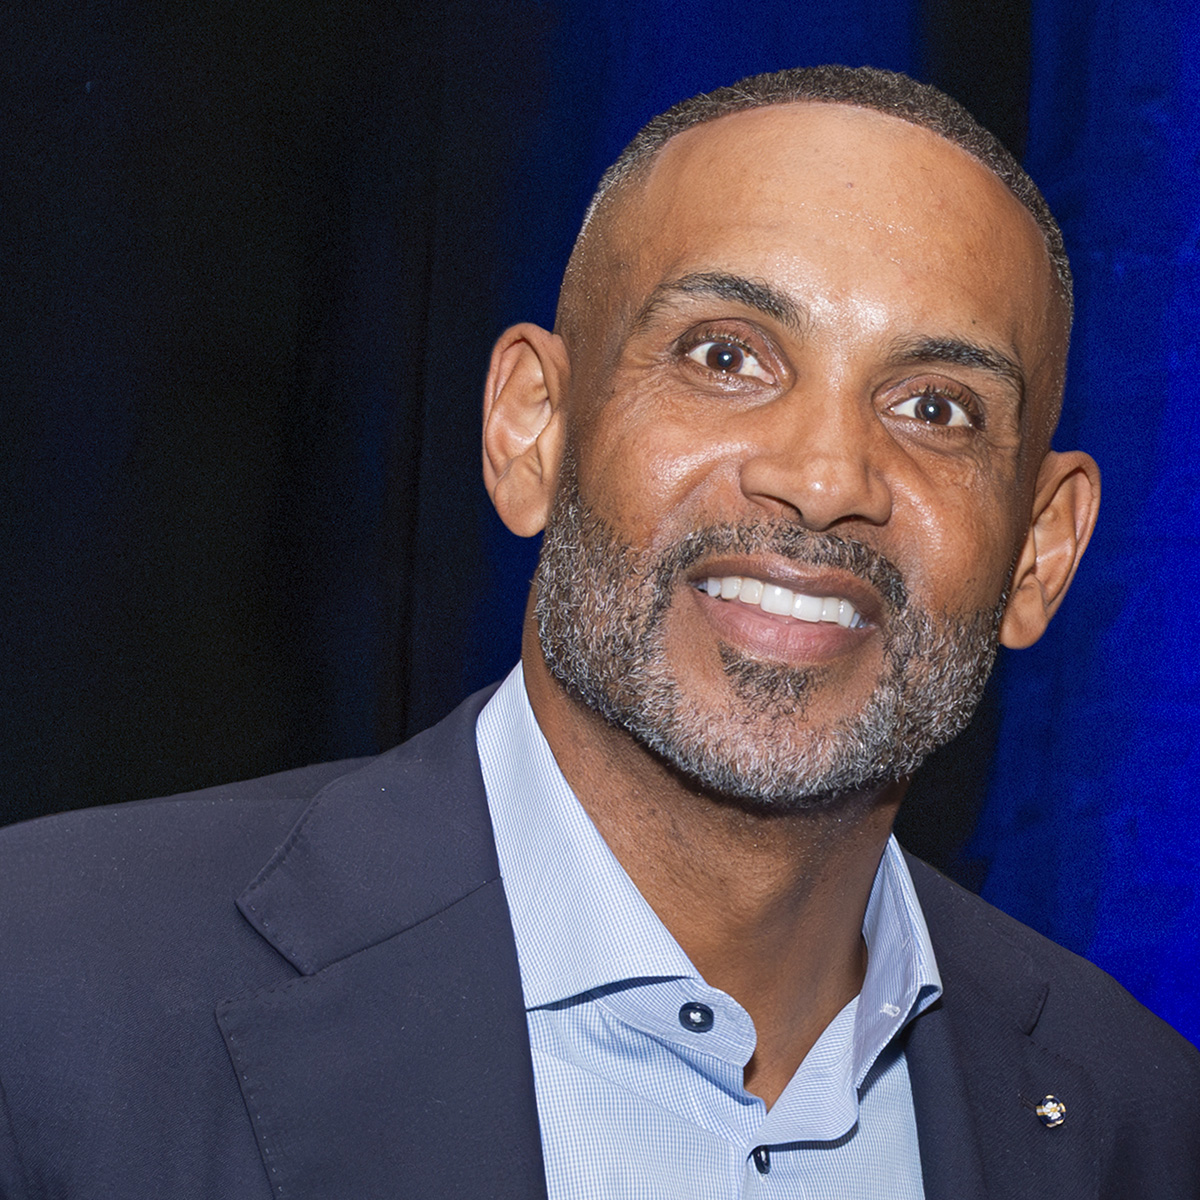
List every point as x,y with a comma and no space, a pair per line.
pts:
254,258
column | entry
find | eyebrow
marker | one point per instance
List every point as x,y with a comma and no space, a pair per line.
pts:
957,353
718,285
753,293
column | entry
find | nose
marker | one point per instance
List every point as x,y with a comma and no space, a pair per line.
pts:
819,459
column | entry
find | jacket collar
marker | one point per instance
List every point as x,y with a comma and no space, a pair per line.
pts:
397,1061
344,879
399,1058
977,1068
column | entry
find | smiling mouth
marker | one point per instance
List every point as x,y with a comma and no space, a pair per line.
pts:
783,602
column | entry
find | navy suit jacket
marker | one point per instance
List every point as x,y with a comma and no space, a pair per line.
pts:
350,1024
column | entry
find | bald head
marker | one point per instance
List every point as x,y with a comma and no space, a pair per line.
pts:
590,312
811,321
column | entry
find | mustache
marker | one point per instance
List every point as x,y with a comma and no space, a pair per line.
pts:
791,542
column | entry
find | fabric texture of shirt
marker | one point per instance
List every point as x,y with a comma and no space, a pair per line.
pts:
638,1063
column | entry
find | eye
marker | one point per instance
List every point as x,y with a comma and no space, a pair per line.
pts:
728,358
933,406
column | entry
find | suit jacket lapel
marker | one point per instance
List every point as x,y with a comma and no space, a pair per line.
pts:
397,1062
978,1071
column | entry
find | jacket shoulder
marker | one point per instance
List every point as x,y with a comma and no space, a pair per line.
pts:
199,849
122,938
106,884
1061,1000
237,820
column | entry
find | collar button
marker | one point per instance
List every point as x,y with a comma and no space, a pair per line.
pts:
696,1017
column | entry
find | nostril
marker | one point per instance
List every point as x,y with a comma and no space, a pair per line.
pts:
818,490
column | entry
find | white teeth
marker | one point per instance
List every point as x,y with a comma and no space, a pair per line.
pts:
751,591
776,600
781,601
807,608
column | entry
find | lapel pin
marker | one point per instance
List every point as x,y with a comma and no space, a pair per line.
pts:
1052,1112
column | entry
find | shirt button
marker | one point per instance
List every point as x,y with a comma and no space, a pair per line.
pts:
762,1159
696,1017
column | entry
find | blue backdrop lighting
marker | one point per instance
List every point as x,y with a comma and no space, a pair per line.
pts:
254,258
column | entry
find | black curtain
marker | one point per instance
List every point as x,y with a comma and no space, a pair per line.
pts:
254,259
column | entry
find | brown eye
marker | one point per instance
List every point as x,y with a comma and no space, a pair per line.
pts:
722,356
728,358
933,408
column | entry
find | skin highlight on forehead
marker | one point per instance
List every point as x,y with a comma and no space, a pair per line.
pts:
651,218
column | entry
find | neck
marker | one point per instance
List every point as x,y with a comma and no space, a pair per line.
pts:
768,906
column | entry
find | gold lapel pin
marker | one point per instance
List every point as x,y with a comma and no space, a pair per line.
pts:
1052,1112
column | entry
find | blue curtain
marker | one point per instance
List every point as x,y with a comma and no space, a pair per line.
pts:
1092,829
253,260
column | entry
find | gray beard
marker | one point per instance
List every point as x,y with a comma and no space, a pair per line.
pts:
600,608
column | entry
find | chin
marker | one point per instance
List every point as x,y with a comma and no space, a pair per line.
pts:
603,609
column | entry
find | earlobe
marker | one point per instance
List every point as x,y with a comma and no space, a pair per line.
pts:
1065,505
522,425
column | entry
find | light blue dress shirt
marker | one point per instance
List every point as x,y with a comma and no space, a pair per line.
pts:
638,1063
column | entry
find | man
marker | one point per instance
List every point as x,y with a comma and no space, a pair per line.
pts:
633,925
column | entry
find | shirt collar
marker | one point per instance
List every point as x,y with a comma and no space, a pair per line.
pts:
580,923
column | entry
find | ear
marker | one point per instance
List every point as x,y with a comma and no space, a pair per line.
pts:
1065,504
523,425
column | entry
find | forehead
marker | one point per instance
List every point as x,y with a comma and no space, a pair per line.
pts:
852,210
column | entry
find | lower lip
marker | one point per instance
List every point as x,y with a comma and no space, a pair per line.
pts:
783,639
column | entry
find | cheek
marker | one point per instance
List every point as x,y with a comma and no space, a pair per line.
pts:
957,549
648,470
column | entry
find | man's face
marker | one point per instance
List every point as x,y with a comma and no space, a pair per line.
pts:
829,333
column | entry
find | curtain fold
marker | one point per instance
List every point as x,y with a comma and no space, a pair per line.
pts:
254,260
1092,830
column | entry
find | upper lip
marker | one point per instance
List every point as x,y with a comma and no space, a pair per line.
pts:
796,577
